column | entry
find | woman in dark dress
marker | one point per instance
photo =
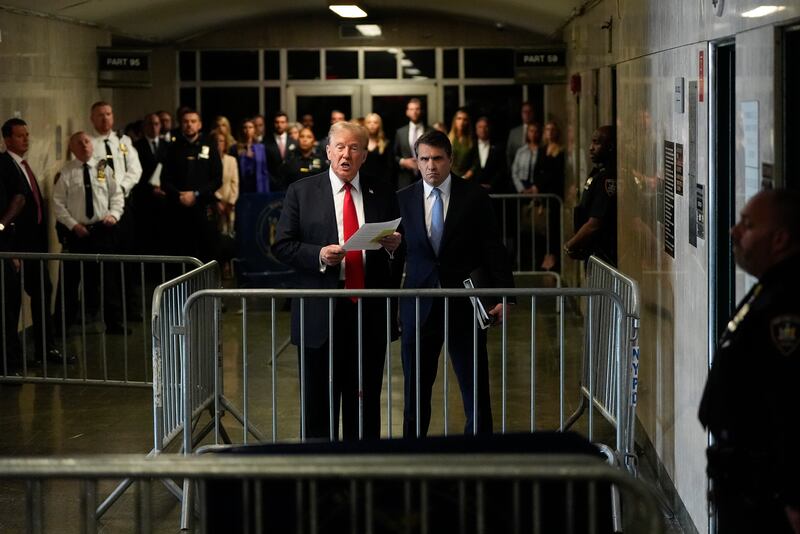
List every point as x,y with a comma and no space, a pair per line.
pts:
252,158
552,182
379,156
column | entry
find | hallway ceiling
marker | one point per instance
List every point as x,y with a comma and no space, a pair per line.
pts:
173,20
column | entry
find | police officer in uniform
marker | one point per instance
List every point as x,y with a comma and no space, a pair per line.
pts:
88,201
750,400
305,161
192,173
595,216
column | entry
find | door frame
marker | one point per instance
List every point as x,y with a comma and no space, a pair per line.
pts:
315,88
405,88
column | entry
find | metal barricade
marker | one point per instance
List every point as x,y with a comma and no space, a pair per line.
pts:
530,481
167,354
531,226
611,356
88,353
522,356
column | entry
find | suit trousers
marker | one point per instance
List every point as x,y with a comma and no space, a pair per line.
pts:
346,392
11,352
38,287
463,357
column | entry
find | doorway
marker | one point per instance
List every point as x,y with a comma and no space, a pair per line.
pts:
320,100
389,101
790,120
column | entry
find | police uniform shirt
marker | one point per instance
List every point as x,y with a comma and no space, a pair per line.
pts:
126,165
298,166
750,400
599,200
192,166
69,197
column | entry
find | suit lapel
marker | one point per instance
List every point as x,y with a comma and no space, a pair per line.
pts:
328,209
454,209
416,224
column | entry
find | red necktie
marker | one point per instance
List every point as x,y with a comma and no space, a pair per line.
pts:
35,190
353,262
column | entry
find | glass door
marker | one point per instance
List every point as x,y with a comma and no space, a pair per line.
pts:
319,100
389,101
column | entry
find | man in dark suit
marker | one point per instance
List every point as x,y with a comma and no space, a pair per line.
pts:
319,215
404,140
450,235
31,236
278,146
148,200
489,161
12,201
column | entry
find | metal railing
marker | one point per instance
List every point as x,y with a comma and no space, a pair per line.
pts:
88,353
195,397
612,355
373,493
531,227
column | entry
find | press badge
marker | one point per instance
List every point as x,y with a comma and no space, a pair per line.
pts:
204,151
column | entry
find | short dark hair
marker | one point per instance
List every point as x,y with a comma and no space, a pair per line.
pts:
414,100
99,104
8,126
437,139
280,113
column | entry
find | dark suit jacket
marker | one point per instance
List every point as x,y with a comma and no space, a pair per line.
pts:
403,150
471,241
492,173
308,223
149,162
274,159
31,236
11,190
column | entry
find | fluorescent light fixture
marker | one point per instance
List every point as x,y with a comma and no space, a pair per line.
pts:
392,50
406,62
369,30
762,11
413,71
348,11
420,78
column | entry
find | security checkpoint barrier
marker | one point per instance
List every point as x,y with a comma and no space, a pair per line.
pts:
532,481
531,225
102,358
611,355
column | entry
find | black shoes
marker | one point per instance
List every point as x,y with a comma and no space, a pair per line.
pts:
54,355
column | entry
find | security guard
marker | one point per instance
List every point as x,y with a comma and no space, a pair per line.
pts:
596,216
750,400
88,202
305,161
192,173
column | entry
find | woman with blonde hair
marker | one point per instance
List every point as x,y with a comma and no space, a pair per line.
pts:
461,138
223,126
379,158
228,194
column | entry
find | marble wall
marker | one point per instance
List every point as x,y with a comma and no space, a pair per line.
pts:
48,77
649,44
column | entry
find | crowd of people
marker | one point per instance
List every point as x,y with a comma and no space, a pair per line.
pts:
169,185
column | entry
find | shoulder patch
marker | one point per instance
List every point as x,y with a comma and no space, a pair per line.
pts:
611,186
785,333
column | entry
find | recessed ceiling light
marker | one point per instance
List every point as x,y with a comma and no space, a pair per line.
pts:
413,71
406,62
348,11
762,11
369,30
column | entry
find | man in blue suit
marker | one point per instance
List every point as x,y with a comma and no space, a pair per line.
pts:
319,214
450,234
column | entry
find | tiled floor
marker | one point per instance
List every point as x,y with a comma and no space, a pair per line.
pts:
77,419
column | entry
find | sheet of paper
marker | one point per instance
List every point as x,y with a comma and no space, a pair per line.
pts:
369,235
155,179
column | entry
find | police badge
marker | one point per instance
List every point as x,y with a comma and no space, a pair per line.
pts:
785,332
611,186
101,170
204,151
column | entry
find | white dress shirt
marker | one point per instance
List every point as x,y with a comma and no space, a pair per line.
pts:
483,151
414,133
429,199
69,199
338,189
126,158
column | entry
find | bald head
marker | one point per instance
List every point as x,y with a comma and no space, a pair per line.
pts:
768,231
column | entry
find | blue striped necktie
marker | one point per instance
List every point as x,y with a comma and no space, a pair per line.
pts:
437,220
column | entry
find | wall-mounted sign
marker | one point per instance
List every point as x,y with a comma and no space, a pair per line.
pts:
542,65
669,198
121,67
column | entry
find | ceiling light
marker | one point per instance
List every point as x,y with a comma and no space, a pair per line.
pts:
392,50
406,62
762,11
413,71
369,30
348,11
